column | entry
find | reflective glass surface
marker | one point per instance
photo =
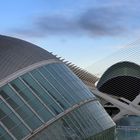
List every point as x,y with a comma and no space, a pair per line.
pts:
12,122
30,101
4,135
80,124
20,107
128,128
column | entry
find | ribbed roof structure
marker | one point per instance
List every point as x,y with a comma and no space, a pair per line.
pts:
41,98
88,78
16,54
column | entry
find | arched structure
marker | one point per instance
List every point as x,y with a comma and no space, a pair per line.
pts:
41,98
120,86
121,80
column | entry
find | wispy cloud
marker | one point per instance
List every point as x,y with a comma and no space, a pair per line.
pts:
102,21
97,21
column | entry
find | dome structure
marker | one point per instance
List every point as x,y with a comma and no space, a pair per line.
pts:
121,80
16,54
41,98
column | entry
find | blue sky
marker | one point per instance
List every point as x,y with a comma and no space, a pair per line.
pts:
81,31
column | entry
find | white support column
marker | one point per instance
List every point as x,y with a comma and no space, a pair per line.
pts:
129,109
120,115
136,101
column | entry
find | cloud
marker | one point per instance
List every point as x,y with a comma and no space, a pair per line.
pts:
101,21
50,25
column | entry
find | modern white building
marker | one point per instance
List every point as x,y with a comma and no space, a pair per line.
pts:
121,83
42,99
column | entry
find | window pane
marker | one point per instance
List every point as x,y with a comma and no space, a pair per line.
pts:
31,99
74,82
20,107
13,124
42,93
51,90
4,135
61,84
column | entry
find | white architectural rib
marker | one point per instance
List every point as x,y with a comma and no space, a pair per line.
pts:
122,106
20,72
136,101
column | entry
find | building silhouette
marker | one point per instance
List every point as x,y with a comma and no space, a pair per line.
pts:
122,82
42,99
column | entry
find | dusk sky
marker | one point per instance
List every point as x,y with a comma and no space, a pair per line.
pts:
81,31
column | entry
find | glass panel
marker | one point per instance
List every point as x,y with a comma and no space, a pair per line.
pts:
68,131
31,99
50,89
75,126
69,80
100,115
79,82
4,135
73,80
91,121
42,93
20,107
78,117
78,126
58,84
73,76
13,124
46,92
68,90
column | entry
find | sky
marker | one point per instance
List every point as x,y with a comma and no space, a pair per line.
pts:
81,31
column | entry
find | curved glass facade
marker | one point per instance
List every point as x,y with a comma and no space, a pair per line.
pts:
32,100
82,123
128,128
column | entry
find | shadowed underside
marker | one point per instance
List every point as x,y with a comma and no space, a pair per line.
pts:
121,79
122,86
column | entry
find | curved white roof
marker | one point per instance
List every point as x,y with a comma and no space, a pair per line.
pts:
16,54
